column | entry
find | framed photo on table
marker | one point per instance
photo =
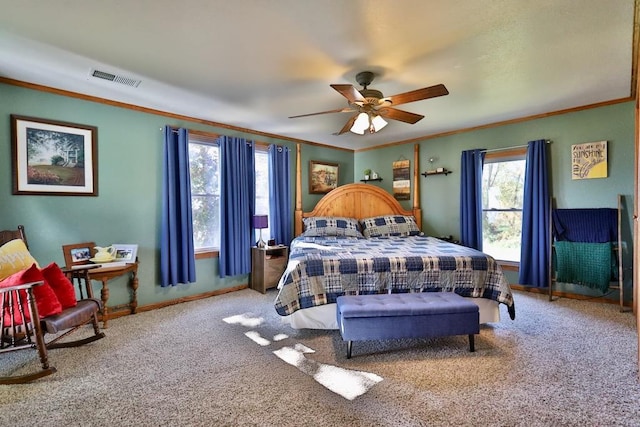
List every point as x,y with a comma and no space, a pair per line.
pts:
78,253
323,177
53,158
125,253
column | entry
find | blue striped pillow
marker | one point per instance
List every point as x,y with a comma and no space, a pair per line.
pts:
331,226
390,225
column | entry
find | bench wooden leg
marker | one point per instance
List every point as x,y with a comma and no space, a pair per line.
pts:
472,346
349,343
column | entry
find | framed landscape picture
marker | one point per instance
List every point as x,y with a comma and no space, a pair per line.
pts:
323,177
53,158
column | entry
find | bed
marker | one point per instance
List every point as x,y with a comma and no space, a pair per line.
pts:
358,239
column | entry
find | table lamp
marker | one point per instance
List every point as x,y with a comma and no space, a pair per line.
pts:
260,222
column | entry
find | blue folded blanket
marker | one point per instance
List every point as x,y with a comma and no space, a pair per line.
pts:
586,225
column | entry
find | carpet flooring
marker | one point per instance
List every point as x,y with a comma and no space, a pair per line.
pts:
230,361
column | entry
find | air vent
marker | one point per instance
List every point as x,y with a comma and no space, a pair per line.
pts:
115,78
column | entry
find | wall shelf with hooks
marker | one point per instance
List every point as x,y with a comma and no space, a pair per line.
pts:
442,171
371,179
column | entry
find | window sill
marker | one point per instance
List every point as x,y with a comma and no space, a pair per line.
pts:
207,253
509,265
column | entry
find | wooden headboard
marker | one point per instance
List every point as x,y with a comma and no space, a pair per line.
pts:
358,201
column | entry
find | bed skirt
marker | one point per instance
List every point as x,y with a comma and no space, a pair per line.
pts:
324,316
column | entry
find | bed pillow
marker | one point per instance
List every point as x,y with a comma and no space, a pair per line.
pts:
390,225
61,285
331,226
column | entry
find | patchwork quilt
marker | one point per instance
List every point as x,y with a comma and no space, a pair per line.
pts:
320,269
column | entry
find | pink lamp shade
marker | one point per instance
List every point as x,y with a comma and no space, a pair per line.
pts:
260,221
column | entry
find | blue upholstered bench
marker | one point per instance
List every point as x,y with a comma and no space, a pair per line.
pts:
410,315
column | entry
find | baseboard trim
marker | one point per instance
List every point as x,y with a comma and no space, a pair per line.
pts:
162,304
570,295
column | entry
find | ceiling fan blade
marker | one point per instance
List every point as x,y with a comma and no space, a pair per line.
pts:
349,92
339,110
419,94
401,115
347,125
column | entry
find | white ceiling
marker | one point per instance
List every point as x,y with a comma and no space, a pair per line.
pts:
253,63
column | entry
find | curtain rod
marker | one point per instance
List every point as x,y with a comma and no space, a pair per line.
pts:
548,141
259,143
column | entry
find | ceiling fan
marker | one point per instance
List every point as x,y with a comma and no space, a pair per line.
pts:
372,107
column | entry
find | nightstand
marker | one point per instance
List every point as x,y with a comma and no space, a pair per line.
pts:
267,265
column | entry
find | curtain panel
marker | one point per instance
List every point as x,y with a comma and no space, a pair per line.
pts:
237,205
177,255
536,241
471,198
280,209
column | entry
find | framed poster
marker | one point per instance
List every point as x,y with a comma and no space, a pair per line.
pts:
323,177
53,158
589,160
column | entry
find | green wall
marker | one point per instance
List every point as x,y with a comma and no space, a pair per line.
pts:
127,209
439,194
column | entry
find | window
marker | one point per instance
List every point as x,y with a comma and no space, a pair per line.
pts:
262,188
204,169
502,198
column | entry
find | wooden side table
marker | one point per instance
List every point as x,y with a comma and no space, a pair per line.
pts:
106,273
267,265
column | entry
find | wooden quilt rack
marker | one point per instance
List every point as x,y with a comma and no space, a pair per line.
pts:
617,252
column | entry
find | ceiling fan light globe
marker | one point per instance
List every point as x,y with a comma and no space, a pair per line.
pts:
361,124
378,123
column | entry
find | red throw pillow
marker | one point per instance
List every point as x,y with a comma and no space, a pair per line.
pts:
46,299
61,285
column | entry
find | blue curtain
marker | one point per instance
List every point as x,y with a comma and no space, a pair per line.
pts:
280,211
237,205
471,198
177,258
536,244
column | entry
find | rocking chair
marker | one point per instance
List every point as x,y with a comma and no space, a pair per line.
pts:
17,331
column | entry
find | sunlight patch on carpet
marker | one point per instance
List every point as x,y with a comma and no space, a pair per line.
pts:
245,319
345,382
257,338
303,348
280,337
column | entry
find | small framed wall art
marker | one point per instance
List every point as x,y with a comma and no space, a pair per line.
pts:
589,160
323,177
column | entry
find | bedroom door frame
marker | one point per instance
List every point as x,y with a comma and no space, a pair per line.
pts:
636,227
